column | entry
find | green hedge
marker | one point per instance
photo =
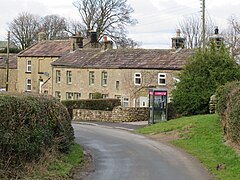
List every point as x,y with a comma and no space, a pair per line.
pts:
92,104
31,125
228,107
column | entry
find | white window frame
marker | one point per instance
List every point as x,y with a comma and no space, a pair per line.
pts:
91,77
125,102
104,78
76,95
104,96
90,95
162,76
137,77
58,76
69,77
28,85
58,95
69,96
29,66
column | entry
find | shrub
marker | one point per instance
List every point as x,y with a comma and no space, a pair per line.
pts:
228,107
31,125
201,76
172,112
92,104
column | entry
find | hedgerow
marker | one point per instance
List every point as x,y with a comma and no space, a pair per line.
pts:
228,107
29,126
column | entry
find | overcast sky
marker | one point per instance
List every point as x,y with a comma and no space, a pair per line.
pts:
158,19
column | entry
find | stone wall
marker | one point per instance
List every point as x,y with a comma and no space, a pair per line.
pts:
118,114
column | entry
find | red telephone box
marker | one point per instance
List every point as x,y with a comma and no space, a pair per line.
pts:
158,105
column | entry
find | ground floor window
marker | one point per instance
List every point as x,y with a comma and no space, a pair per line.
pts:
28,85
58,95
76,96
104,96
69,95
125,102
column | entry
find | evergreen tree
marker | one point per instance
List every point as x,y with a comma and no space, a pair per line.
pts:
201,76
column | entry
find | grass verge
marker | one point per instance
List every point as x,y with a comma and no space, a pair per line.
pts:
202,136
58,167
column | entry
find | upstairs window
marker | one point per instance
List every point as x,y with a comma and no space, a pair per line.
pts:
104,78
91,78
29,66
58,76
69,77
117,85
162,78
137,78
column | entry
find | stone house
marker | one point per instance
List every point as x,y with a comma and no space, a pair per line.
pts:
127,74
34,65
12,81
77,68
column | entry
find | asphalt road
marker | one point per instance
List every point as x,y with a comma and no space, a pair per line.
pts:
121,155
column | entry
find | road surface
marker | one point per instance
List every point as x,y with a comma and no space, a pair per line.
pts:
121,155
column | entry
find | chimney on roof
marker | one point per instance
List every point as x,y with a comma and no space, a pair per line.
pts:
92,39
76,41
106,43
178,41
216,37
42,36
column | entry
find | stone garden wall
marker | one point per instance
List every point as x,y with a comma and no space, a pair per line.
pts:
118,114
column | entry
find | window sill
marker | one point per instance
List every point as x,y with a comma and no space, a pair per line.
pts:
28,72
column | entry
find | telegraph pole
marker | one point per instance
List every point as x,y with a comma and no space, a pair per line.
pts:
203,24
7,61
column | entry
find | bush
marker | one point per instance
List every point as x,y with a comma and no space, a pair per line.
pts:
201,76
172,112
31,125
92,104
228,107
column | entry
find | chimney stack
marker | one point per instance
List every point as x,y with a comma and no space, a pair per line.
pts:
76,41
178,41
216,37
106,43
42,36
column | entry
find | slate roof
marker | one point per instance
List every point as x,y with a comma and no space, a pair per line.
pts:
12,61
54,48
125,59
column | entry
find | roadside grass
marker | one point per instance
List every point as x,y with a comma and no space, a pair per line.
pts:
202,136
59,167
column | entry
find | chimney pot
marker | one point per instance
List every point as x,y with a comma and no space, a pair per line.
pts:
216,30
105,38
178,32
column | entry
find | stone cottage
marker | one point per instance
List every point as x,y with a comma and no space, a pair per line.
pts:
127,74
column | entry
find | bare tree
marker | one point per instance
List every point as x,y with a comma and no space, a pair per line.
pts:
24,29
54,26
73,27
232,34
191,28
107,17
